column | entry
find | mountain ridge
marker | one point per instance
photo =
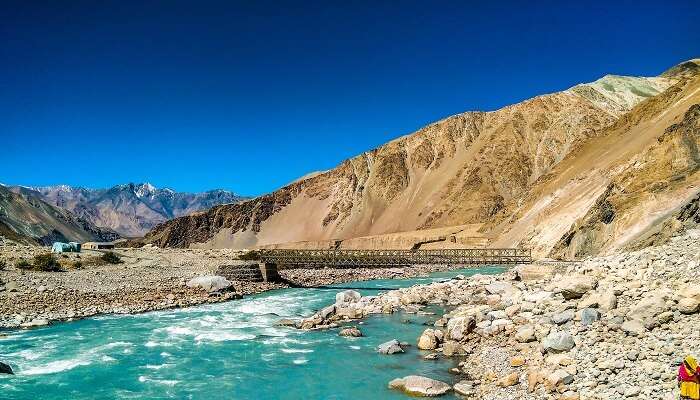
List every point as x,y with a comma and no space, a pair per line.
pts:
462,169
130,209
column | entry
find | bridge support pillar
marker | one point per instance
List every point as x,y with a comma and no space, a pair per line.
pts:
269,272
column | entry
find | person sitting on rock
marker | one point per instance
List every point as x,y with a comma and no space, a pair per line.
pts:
689,379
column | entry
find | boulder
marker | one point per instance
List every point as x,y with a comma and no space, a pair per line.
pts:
558,377
451,347
351,331
563,317
509,380
688,305
575,286
633,327
464,388
5,369
347,296
427,340
557,342
691,290
459,327
589,316
210,283
420,386
604,301
390,347
648,308
525,334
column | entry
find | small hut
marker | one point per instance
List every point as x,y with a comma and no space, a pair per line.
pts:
98,245
70,247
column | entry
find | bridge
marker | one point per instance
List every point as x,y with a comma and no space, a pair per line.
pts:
275,259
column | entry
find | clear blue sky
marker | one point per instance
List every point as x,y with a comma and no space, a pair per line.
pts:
248,96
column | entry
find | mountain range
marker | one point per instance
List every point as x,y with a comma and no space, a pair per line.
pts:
26,218
594,168
129,209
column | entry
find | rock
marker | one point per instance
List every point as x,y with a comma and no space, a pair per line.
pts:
451,347
464,388
688,305
502,288
420,386
351,331
563,317
12,286
35,323
691,291
589,316
5,369
210,283
517,361
286,322
459,327
327,311
575,286
558,377
390,347
604,301
558,342
508,380
633,327
347,296
525,334
648,308
427,340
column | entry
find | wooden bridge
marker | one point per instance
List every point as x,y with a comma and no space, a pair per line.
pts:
272,260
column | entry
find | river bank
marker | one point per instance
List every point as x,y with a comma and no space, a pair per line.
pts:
608,328
148,279
233,349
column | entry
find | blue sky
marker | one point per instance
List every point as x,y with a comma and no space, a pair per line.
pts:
248,96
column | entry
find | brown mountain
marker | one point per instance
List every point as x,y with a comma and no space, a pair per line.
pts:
26,218
131,209
532,173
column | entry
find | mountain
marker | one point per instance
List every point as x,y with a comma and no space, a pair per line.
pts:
130,209
530,174
26,218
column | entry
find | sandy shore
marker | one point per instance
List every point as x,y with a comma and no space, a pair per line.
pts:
147,280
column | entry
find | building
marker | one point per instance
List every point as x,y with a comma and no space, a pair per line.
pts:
98,245
70,247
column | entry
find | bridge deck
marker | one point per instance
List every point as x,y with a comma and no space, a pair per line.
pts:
392,258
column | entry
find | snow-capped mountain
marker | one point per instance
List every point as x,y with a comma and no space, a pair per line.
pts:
130,209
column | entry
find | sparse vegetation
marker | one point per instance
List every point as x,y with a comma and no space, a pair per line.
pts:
111,258
3,265
77,264
23,264
250,256
46,262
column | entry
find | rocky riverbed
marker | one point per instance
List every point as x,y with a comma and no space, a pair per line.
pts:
606,328
148,279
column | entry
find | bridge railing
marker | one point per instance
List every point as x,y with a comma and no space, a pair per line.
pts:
290,257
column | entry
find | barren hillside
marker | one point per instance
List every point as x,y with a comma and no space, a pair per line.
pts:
497,168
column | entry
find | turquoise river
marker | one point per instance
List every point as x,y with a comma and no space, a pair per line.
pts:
230,350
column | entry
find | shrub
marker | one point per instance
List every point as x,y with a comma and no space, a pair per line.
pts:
3,265
23,264
250,256
46,262
77,264
111,258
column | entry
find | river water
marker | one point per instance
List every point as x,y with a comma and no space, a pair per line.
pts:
230,350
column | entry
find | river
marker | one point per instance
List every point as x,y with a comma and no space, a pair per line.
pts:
230,350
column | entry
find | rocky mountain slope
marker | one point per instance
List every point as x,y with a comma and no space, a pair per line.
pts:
502,169
26,218
130,209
